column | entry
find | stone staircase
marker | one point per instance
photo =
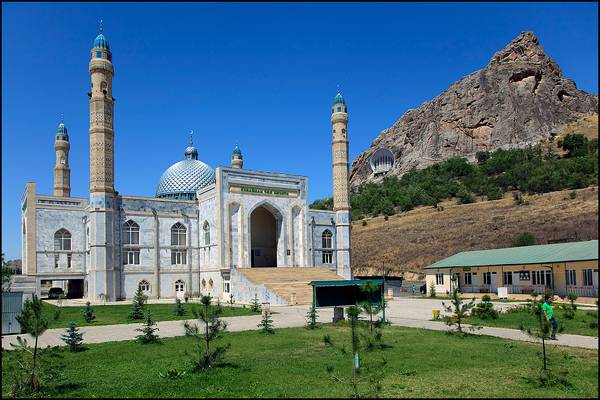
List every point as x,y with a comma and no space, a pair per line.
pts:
290,284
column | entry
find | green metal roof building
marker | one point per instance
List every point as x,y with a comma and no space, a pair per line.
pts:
563,267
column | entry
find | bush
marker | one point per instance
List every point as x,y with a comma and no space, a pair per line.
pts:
72,337
432,291
179,309
364,222
485,309
149,329
575,144
573,195
88,313
465,197
523,239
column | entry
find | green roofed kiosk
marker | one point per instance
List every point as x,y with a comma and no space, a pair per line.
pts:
346,293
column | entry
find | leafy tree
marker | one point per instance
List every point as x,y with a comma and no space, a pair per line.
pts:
266,323
311,318
524,239
325,204
139,299
7,273
207,353
575,144
572,297
72,337
179,309
88,313
255,305
149,329
33,322
458,308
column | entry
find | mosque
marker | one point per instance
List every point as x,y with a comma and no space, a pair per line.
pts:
229,232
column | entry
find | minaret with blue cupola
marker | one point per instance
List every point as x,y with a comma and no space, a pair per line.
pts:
103,219
62,172
237,160
341,193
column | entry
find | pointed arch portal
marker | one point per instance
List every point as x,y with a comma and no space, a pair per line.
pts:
265,228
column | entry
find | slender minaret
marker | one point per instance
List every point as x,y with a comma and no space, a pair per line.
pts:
104,222
237,160
62,172
341,194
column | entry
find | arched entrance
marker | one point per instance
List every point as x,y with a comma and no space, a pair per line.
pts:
264,232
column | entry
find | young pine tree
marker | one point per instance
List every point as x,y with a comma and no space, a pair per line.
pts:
72,337
255,305
311,318
458,308
179,309
33,322
149,329
266,324
207,353
88,313
137,310
368,307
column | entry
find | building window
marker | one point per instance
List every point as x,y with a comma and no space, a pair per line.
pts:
210,283
524,275
468,278
178,235
131,233
130,236
327,246
538,278
507,278
179,287
571,277
487,278
587,277
439,279
69,257
226,286
62,239
178,257
144,286
178,238
339,109
56,258
203,284
206,229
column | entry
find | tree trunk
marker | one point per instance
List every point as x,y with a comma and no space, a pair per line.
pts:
34,383
544,351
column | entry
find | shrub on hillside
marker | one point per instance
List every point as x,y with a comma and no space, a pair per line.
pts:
523,239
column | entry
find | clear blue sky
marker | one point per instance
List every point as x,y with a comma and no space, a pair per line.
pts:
261,75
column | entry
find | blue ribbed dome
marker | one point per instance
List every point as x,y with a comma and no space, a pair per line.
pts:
181,180
236,150
338,99
61,132
101,42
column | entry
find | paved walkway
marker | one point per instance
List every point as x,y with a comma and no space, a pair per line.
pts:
414,313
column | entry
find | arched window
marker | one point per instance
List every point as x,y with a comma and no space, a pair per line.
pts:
178,239
178,235
203,283
210,283
130,237
206,229
62,239
131,233
327,246
179,287
144,286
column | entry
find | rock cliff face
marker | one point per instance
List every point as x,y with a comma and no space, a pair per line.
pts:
520,98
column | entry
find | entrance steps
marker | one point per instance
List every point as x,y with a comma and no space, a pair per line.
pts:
284,285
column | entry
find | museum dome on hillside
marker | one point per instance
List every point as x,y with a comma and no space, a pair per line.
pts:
182,179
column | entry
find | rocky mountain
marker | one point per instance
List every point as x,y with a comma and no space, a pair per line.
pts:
520,98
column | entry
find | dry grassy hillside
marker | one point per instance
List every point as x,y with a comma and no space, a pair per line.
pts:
412,240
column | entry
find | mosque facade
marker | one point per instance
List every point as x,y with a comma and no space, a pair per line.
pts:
203,227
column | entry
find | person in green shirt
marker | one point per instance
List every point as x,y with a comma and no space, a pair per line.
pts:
549,314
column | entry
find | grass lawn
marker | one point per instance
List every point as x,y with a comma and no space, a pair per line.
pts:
293,363
582,324
119,314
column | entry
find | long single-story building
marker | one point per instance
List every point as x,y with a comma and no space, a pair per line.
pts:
563,267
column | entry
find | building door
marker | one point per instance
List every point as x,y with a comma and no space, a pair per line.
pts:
179,289
494,282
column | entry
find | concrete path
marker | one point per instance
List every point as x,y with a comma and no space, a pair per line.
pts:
408,312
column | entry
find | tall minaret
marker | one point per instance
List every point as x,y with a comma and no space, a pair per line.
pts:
341,194
103,278
62,172
237,160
